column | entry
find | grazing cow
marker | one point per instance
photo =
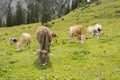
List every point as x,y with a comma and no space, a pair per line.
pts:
98,27
95,30
44,38
77,31
12,40
25,39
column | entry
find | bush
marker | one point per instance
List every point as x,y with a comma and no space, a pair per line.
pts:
62,19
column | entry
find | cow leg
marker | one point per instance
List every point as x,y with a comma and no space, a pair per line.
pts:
25,43
98,35
88,33
70,39
79,39
28,44
93,34
18,48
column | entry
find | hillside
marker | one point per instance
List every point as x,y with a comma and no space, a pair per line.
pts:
96,59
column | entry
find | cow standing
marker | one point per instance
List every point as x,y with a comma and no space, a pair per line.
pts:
44,39
95,30
77,31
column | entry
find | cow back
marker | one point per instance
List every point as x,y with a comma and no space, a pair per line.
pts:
44,38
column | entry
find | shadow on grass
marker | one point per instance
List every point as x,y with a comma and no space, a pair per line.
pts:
23,49
80,55
75,42
39,67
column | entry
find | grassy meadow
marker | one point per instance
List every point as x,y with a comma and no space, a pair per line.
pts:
96,59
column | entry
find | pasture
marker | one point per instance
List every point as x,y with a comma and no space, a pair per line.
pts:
96,59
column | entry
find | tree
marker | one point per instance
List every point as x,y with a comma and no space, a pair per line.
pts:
9,17
29,20
14,19
82,3
34,12
45,12
20,16
32,15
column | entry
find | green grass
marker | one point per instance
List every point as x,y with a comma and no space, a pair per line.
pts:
96,59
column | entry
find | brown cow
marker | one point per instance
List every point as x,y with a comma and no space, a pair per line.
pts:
44,39
77,31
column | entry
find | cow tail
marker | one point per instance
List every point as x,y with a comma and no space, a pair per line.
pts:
43,41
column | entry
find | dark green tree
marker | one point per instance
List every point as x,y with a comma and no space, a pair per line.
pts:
32,15
82,3
14,19
45,12
37,13
29,19
34,12
20,15
9,17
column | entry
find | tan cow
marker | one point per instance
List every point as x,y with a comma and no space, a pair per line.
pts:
77,31
44,38
25,39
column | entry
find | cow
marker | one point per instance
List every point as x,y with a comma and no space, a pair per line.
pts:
12,40
25,39
95,30
77,31
44,38
98,27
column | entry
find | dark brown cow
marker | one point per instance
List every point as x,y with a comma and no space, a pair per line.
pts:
44,39
77,31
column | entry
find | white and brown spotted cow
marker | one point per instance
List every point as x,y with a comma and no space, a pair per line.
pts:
77,31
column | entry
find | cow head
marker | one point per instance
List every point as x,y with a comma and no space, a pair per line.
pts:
18,46
42,56
99,30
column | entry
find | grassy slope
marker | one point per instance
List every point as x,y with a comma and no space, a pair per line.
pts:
96,59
